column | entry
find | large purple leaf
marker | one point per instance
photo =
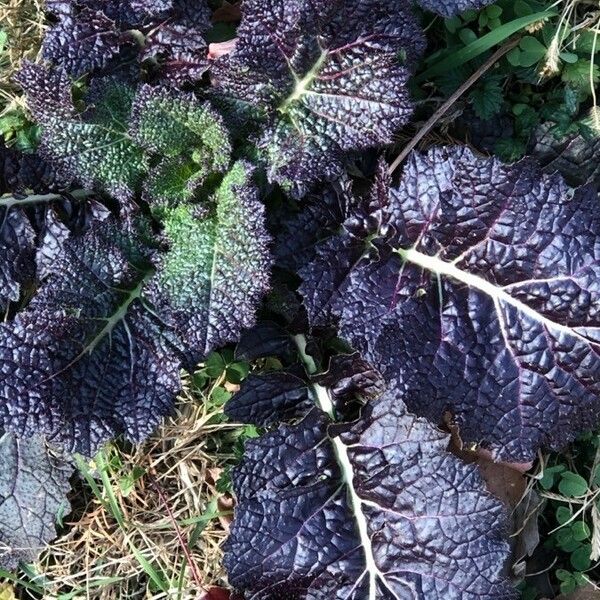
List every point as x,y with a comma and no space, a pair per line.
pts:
98,350
33,492
482,300
328,78
89,359
375,509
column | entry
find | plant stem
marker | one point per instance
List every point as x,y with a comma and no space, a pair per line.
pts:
443,109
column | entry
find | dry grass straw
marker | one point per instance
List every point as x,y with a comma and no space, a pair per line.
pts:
23,22
172,510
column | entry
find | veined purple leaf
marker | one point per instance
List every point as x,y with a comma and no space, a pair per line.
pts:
270,398
264,339
573,156
33,491
482,300
449,8
88,359
178,43
82,41
90,36
362,511
98,350
33,227
328,78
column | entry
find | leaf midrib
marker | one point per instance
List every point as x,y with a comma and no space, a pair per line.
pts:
439,267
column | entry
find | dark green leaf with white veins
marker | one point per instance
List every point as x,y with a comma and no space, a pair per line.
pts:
93,147
33,492
127,134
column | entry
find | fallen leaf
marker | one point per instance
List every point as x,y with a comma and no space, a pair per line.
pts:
216,593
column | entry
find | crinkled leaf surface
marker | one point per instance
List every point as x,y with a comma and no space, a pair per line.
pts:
88,360
297,233
95,148
83,40
97,352
91,36
482,299
34,227
449,8
573,156
33,489
270,398
350,377
126,133
173,124
328,77
376,510
266,338
217,268
178,43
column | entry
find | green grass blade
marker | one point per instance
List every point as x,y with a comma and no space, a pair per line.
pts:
481,45
112,506
19,581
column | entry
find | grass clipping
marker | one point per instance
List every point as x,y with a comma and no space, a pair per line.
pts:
151,521
22,25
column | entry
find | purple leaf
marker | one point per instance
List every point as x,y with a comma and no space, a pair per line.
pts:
481,300
270,398
449,8
326,77
377,509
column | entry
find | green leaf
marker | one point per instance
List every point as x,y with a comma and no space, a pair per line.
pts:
568,57
522,8
580,558
514,57
569,586
452,24
532,44
493,11
484,43
585,42
220,396
467,36
580,74
487,100
214,366
237,372
563,514
580,530
510,149
563,575
572,485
